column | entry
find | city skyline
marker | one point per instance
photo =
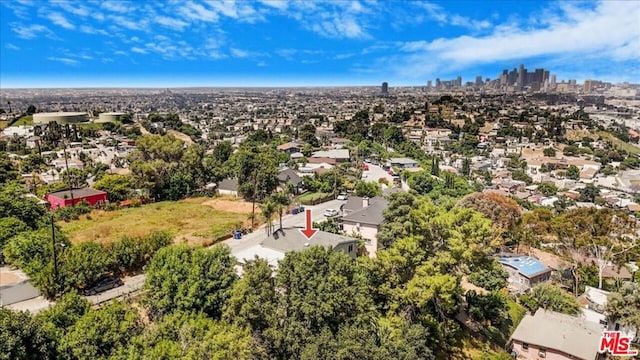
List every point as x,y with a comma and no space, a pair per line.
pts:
286,43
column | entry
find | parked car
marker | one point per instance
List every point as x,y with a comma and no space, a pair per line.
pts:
342,196
386,167
330,213
365,167
391,172
103,285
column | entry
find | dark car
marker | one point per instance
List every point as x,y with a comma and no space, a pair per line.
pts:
103,285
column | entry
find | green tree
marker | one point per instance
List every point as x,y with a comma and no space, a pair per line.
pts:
551,297
423,182
181,278
23,338
623,306
223,151
319,289
573,172
548,188
368,189
10,227
253,300
99,332
8,170
551,152
190,336
491,277
84,264
118,187
15,203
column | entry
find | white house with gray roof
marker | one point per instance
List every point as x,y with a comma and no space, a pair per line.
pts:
364,217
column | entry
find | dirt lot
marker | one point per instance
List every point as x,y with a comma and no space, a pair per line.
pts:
231,205
195,220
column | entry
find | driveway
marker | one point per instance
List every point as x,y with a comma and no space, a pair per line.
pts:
375,173
288,221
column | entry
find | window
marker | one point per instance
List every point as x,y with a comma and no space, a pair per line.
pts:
350,248
542,353
525,346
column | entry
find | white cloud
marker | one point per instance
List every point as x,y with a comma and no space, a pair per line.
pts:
66,61
12,47
278,4
60,20
138,50
225,7
75,9
439,15
116,6
172,23
29,31
130,24
610,28
239,53
91,30
198,12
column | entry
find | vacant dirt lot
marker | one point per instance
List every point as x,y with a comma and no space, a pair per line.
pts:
231,205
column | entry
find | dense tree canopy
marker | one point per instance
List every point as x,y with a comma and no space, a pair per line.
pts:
181,278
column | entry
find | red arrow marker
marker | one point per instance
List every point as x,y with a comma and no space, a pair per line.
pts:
308,231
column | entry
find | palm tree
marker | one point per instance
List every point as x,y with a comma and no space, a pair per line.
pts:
268,208
282,201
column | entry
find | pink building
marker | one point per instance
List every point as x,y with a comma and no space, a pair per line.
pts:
64,198
554,336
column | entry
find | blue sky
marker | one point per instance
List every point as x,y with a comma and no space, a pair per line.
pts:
311,43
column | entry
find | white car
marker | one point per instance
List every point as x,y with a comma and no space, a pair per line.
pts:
330,213
342,196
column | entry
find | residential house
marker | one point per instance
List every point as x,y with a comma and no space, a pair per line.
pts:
69,197
290,176
556,336
274,247
365,221
289,148
403,163
337,155
595,302
228,187
524,271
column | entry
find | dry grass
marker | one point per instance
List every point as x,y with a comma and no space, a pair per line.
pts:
579,134
188,220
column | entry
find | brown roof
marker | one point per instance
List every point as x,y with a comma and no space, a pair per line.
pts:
319,160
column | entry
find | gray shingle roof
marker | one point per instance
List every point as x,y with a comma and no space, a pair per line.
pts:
372,214
291,239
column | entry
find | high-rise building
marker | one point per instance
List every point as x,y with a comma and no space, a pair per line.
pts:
459,81
428,84
522,75
438,83
479,80
553,82
385,88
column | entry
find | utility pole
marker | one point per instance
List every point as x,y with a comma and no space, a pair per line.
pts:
55,257
255,190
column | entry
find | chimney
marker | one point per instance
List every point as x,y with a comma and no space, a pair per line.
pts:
365,202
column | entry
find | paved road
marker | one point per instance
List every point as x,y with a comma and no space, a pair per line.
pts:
131,284
257,236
